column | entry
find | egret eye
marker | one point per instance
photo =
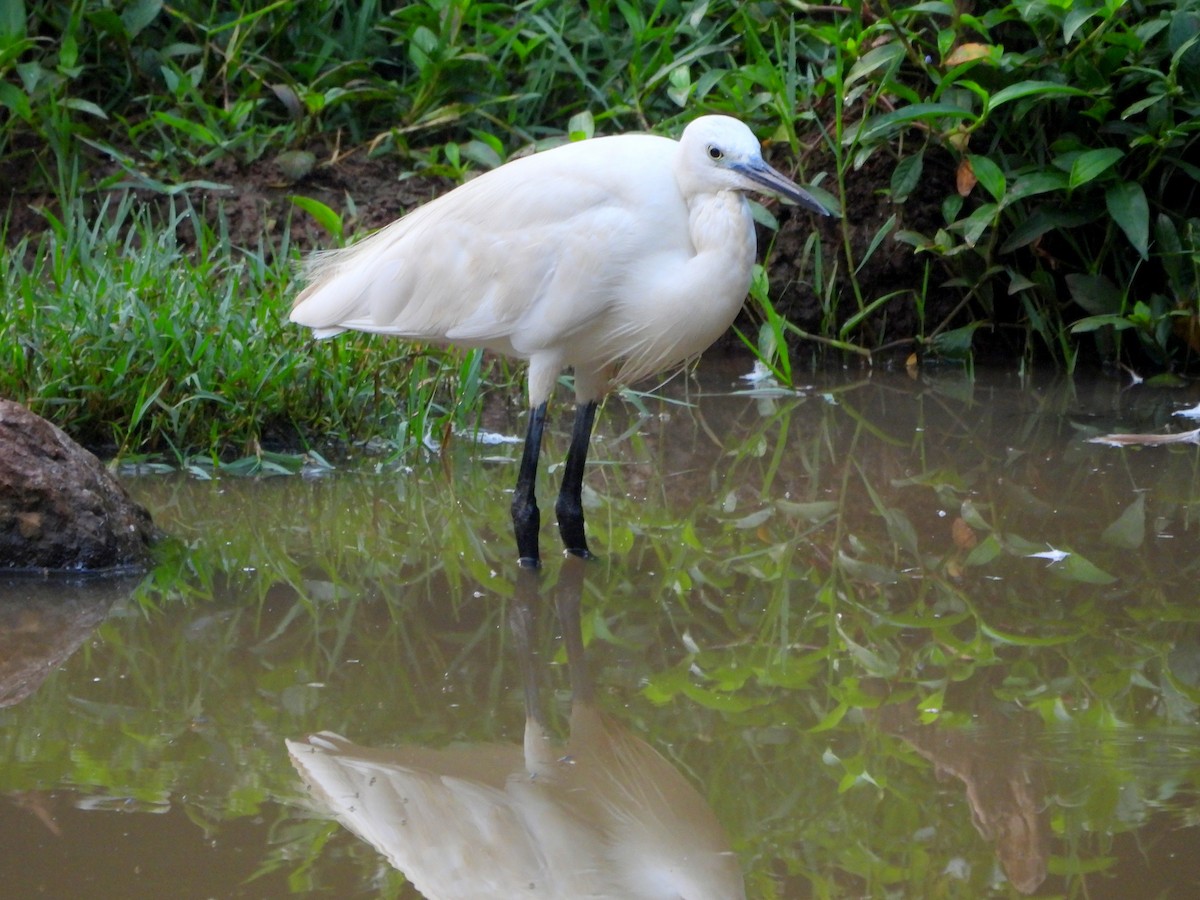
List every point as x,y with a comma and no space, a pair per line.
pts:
715,153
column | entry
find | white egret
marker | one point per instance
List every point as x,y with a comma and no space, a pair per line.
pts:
604,816
617,257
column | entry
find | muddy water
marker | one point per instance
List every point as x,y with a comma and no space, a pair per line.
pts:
884,636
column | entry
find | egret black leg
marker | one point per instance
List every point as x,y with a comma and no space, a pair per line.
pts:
569,508
525,516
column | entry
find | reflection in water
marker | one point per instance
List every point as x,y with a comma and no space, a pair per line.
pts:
763,560
1003,781
44,620
604,816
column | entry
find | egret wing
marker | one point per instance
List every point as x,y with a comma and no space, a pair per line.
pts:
511,260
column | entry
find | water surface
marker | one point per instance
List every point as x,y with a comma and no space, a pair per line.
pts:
904,637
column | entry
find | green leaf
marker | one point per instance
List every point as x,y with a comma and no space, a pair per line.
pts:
906,176
581,126
1091,164
1095,323
1126,202
880,663
12,21
16,100
422,48
955,343
989,176
1073,865
866,571
1031,88
192,129
1145,103
900,530
326,217
1041,182
984,552
971,515
1076,15
137,15
1042,220
1169,252
1096,294
680,89
831,719
974,225
85,106
68,53
880,127
884,55
727,703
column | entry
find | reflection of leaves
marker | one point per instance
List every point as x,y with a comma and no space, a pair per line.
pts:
749,652
1077,568
1129,530
815,511
985,551
1025,640
867,571
900,529
1057,865
880,663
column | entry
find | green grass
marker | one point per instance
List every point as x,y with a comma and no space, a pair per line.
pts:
144,332
142,329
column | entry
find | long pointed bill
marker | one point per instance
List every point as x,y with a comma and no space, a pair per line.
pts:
774,182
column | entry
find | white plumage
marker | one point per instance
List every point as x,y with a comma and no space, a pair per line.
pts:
604,816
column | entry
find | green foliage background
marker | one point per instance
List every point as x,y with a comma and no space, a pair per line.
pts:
1030,167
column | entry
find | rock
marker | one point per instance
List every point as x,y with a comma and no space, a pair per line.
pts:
60,508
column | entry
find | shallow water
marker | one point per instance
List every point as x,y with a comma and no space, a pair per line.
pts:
902,636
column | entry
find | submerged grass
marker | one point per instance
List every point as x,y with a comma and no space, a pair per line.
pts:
784,616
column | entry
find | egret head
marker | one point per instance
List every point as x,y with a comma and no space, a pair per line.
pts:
719,153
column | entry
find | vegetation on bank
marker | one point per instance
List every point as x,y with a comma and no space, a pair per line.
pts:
1030,167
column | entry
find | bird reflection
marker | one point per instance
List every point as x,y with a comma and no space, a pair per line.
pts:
604,816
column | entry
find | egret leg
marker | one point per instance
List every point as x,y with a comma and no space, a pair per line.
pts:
520,621
568,597
569,507
525,516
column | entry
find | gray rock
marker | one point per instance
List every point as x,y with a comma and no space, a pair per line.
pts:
60,508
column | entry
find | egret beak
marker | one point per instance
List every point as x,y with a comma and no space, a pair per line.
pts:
774,182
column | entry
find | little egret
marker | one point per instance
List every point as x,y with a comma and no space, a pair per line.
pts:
618,257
